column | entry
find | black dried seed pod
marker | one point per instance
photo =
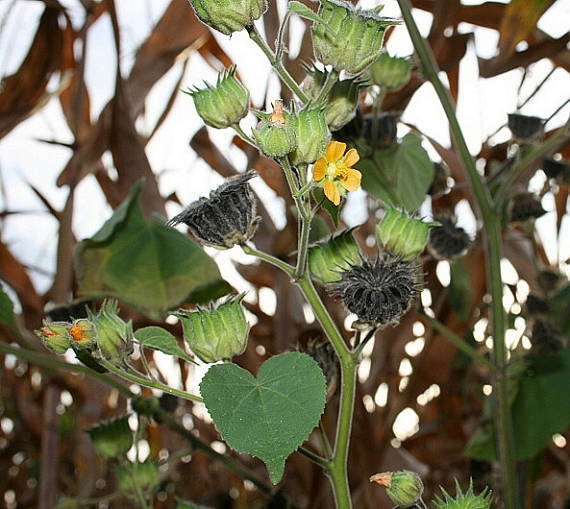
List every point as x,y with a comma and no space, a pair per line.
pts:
525,206
550,280
525,128
545,338
323,353
553,168
224,219
536,306
387,129
448,240
378,291
439,184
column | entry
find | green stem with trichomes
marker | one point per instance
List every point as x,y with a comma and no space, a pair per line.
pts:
493,244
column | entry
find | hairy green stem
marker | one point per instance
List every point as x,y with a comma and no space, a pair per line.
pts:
493,241
330,81
276,63
243,135
315,458
284,266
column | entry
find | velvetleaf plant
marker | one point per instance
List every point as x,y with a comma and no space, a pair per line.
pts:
272,413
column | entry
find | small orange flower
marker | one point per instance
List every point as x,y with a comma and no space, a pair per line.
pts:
80,331
334,173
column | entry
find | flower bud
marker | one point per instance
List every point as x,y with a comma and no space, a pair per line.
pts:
83,334
524,206
228,16
218,333
223,104
329,257
387,129
140,477
404,488
378,291
390,73
448,240
55,336
275,135
403,235
226,218
114,335
112,438
467,500
525,128
342,103
348,38
312,135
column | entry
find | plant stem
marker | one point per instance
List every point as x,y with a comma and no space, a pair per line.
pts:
503,418
276,63
330,81
242,134
284,266
458,342
141,380
315,458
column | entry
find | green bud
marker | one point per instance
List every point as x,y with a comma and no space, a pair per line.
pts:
312,136
114,336
391,73
112,438
228,16
145,406
342,103
137,477
275,134
404,488
467,500
223,104
348,38
218,333
403,235
83,334
329,258
55,336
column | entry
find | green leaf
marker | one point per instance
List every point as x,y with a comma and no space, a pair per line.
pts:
539,409
144,263
269,416
7,316
329,206
559,306
399,176
459,291
160,339
305,12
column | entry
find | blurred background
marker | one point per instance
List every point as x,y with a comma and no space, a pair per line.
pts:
90,102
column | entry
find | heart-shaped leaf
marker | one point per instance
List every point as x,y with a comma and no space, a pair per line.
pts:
269,416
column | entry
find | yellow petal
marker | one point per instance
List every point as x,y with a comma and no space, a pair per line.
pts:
351,158
334,151
351,180
320,169
331,192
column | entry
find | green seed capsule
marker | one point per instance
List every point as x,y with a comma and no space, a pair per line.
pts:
391,73
342,103
218,333
55,336
403,235
275,134
228,16
467,500
312,135
114,335
348,38
404,488
223,104
112,438
329,258
135,478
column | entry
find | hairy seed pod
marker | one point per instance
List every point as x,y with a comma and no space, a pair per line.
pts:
330,256
390,73
554,168
550,280
524,128
342,103
323,353
440,183
524,206
114,335
112,438
228,16
224,219
467,500
136,478
404,488
312,134
378,291
387,129
275,134
545,338
448,240
536,306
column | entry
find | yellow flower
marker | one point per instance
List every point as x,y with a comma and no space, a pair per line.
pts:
334,172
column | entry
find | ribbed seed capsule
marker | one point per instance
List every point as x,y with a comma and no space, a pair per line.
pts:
112,438
546,339
390,73
136,478
525,128
275,134
329,257
228,16
467,500
224,219
387,129
223,104
55,336
404,488
312,134
348,38
114,335
378,291
448,240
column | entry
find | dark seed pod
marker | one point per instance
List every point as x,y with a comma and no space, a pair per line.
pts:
448,240
440,180
387,129
536,306
378,291
224,219
550,280
545,338
525,206
525,128
351,131
73,311
553,168
323,353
